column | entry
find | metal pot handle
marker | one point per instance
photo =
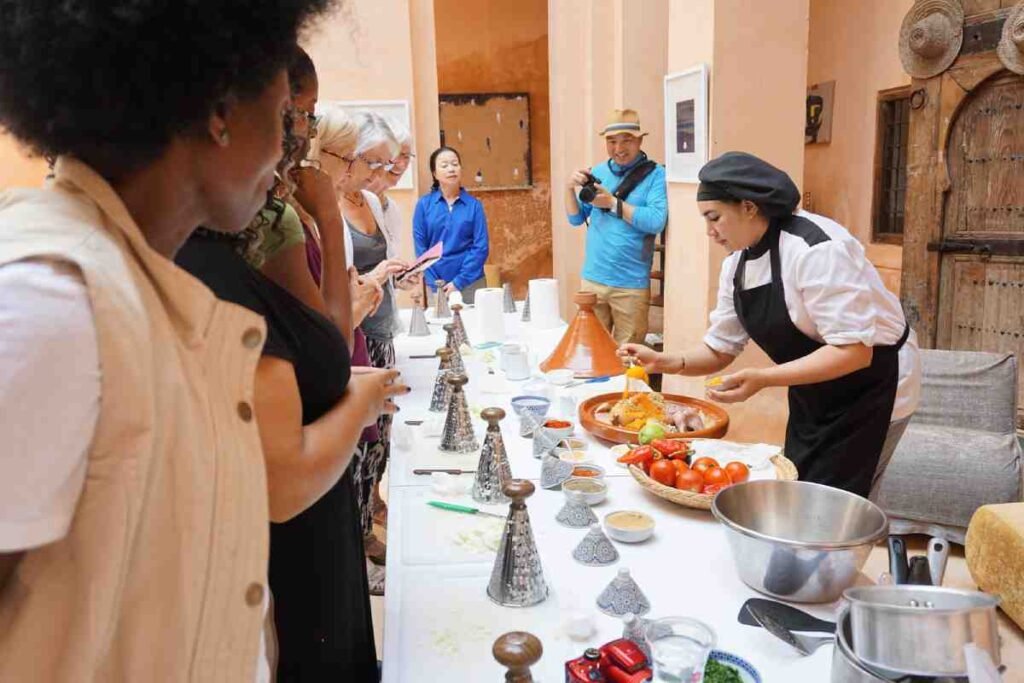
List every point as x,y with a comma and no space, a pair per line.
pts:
898,566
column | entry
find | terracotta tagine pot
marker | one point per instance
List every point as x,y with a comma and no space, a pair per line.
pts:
586,348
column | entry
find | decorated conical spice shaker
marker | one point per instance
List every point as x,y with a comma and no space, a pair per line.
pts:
442,389
517,579
458,436
493,470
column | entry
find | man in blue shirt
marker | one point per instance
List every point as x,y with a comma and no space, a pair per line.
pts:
622,227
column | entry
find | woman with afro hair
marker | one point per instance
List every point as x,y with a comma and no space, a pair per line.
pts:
133,490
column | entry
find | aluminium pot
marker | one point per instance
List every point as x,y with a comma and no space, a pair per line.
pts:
921,630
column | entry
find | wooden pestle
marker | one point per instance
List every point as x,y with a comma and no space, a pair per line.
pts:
517,651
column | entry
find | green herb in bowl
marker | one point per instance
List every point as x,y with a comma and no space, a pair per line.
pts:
716,672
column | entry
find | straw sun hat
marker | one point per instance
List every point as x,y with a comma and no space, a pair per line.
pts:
1011,46
931,36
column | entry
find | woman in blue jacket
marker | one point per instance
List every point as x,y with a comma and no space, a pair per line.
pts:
451,215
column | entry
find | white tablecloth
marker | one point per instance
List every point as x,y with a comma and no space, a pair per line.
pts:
439,622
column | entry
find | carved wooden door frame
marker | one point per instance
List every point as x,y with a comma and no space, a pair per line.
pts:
934,105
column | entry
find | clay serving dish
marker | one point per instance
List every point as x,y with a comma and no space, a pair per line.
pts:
595,417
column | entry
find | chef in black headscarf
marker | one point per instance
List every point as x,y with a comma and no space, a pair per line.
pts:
801,286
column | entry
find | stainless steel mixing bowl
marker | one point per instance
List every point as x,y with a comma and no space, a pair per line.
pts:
798,541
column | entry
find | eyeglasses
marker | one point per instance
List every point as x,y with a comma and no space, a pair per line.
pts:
372,165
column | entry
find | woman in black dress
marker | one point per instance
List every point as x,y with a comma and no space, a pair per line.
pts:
311,407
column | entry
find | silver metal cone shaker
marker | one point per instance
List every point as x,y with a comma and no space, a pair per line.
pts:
442,393
493,470
459,335
441,309
458,436
517,579
418,323
453,344
508,302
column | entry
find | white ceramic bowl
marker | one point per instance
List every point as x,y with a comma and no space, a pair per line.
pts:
629,526
559,377
591,489
572,455
576,444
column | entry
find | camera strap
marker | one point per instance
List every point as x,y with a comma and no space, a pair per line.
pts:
633,178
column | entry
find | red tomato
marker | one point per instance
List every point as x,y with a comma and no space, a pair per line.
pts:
663,472
712,490
716,476
690,480
737,472
680,466
704,464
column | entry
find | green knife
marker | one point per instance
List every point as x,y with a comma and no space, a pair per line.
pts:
462,508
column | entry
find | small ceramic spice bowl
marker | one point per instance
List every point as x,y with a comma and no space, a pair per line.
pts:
629,526
588,470
573,444
593,491
559,377
572,456
558,428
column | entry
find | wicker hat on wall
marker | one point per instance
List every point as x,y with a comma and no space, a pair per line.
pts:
931,36
1011,46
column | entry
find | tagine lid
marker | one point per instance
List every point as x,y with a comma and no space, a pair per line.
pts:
586,347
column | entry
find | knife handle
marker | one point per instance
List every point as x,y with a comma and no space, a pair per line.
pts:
452,506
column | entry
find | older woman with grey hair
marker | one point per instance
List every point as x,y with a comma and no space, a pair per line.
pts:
373,255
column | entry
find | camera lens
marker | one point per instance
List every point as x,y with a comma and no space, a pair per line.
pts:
588,193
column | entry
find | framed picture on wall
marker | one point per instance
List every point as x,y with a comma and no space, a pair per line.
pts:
391,110
686,124
818,114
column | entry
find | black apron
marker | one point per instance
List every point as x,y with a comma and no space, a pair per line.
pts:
836,429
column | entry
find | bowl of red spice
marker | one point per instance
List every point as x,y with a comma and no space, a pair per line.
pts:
559,428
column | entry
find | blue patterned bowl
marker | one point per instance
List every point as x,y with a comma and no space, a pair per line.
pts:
748,674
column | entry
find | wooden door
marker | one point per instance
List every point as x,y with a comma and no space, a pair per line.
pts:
963,276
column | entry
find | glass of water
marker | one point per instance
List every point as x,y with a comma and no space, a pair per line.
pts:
679,648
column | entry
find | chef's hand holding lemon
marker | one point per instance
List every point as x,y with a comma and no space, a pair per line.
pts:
736,387
651,360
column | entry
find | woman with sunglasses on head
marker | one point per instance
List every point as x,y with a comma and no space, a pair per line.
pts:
373,257
451,215
133,522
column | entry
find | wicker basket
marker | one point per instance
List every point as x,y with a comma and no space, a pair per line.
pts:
785,470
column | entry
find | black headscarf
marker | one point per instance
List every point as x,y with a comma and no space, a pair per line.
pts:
736,176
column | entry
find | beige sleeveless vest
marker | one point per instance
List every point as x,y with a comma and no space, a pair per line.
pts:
162,574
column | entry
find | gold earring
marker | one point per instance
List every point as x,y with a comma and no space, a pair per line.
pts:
224,137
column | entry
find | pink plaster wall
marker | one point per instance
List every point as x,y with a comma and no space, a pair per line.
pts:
855,45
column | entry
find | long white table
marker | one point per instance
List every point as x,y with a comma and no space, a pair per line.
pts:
439,622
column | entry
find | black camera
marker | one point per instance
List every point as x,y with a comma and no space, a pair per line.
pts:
588,190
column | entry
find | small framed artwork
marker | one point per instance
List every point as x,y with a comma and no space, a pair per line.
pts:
390,110
686,124
818,114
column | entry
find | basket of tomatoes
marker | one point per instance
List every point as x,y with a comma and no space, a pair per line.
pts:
668,469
